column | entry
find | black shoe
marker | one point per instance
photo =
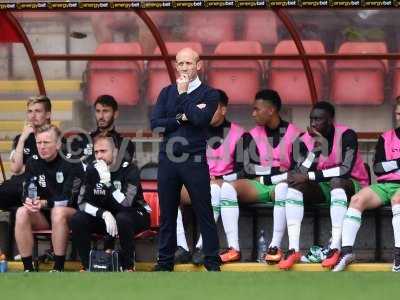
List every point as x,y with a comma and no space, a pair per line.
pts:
182,256
163,268
213,268
198,257
212,263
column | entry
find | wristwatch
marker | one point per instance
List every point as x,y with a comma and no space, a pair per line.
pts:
179,118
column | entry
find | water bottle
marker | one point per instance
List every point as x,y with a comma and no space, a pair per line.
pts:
261,247
3,263
32,190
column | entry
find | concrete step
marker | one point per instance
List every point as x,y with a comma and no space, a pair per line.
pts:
17,125
233,267
9,129
16,109
6,164
5,146
18,86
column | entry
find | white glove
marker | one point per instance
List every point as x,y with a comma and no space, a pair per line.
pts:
230,177
111,224
261,170
279,178
104,172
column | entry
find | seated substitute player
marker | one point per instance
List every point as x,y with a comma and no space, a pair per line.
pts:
109,202
385,192
58,182
223,138
106,112
24,146
269,151
336,172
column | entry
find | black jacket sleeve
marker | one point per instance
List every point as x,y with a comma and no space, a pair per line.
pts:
86,199
238,156
252,161
130,190
250,156
159,118
304,160
349,155
277,175
130,150
383,166
29,175
126,151
196,113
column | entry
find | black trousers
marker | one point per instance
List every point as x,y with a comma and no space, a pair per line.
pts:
11,192
195,177
128,222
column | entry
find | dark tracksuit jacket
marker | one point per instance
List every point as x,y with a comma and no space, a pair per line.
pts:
57,181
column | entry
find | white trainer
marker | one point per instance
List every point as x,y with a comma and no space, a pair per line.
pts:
396,260
344,261
396,266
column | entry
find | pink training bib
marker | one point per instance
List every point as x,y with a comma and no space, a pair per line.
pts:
281,154
221,160
392,151
334,159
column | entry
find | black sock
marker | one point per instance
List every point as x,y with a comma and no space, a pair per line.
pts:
397,251
347,250
59,262
27,261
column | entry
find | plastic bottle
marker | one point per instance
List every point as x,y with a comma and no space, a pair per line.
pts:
32,190
3,263
261,247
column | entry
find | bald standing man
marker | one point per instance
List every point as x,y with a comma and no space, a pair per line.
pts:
183,113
